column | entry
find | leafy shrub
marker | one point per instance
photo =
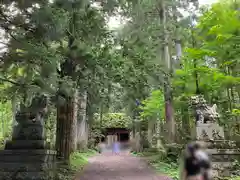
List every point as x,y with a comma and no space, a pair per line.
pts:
77,161
236,168
160,161
5,122
109,120
170,169
173,152
113,120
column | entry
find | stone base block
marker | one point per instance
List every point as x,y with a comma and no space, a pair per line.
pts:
218,144
209,131
27,164
222,165
216,174
223,161
25,144
27,176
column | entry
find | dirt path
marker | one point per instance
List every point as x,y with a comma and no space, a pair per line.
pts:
118,167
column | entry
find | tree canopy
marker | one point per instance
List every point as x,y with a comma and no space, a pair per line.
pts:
146,69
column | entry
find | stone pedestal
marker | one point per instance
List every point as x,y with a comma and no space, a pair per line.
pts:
26,156
209,131
222,152
222,158
27,164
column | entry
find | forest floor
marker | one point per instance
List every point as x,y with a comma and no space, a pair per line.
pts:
124,166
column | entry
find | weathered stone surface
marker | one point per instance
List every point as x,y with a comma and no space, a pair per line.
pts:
223,152
26,176
29,130
30,120
223,158
218,144
25,157
208,133
220,165
25,144
203,112
27,135
27,164
217,173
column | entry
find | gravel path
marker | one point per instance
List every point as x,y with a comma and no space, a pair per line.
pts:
124,166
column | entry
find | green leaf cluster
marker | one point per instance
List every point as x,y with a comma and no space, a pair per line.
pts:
113,120
153,106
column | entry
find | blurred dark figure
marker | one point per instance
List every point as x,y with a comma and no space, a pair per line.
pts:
196,163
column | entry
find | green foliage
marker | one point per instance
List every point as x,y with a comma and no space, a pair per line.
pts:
215,60
162,165
6,118
236,112
113,120
169,169
53,33
154,105
5,122
43,39
50,127
78,160
109,120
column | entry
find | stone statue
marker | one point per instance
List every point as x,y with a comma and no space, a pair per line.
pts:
29,131
26,156
207,127
203,112
210,133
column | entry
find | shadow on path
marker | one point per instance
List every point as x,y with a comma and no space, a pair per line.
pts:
124,166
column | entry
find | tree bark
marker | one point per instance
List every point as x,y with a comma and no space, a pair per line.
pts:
158,132
169,114
66,128
82,123
14,110
150,131
178,45
75,119
198,91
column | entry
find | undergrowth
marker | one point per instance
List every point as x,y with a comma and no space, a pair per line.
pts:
78,160
170,169
161,163
169,165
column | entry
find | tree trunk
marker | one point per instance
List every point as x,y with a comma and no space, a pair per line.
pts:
133,128
178,45
66,128
158,132
66,141
82,123
178,52
75,119
186,127
138,146
150,131
169,116
89,112
14,110
198,91
109,97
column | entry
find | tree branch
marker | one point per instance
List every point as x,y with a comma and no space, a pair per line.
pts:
10,81
23,25
4,43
